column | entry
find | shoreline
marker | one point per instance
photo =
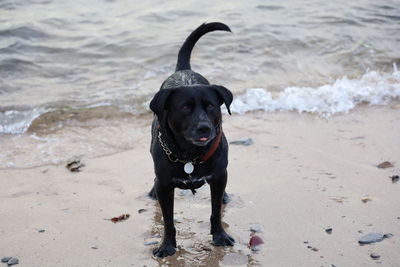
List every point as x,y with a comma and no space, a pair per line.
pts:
302,175
99,137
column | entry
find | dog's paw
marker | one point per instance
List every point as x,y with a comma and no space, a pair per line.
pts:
223,239
164,250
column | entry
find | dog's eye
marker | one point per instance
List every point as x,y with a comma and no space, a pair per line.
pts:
185,107
210,106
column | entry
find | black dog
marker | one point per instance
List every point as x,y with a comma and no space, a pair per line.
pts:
188,145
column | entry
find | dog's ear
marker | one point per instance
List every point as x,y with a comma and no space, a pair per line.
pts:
225,95
159,102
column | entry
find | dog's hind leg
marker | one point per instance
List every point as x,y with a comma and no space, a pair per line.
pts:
220,237
225,199
152,194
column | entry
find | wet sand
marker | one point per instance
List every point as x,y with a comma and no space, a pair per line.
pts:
302,175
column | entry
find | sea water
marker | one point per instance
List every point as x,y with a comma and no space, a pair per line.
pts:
75,75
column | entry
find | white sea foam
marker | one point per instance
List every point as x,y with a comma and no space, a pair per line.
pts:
18,121
373,88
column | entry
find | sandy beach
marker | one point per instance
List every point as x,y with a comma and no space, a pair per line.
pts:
316,88
303,175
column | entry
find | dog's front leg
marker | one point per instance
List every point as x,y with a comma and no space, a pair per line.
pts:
165,196
220,237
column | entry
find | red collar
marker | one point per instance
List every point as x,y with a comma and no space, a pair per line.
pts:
204,158
213,148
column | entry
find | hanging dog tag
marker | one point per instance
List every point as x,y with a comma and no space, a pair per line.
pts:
188,167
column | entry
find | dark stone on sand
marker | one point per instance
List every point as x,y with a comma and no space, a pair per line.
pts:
12,261
366,199
75,164
243,142
256,228
141,210
41,230
328,230
312,248
395,178
375,256
6,259
206,249
151,242
373,238
385,164
255,248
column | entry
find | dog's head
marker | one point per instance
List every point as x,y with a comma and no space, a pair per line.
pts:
192,112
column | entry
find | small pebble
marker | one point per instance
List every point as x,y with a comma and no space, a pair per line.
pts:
328,230
375,256
41,230
6,259
151,242
75,164
255,243
256,228
177,219
395,178
373,237
365,199
12,261
255,248
206,249
243,142
385,164
141,210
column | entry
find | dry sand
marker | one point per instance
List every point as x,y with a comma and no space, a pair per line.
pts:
303,174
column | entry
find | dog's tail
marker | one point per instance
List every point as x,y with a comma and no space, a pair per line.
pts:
187,47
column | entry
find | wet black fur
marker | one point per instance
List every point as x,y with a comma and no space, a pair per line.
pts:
187,108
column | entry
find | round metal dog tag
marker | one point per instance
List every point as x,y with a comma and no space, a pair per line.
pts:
188,168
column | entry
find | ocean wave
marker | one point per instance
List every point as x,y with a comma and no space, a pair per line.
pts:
17,121
373,88
24,32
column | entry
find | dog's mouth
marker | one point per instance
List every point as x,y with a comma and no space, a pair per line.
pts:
201,141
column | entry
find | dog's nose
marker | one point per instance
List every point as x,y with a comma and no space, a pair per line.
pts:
203,129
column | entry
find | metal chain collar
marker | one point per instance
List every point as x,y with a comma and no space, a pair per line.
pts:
169,154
